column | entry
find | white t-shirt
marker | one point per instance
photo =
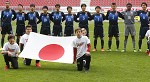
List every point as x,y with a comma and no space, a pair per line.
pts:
13,48
81,45
147,33
24,39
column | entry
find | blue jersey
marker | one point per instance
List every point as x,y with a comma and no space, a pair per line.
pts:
144,18
58,17
7,16
112,16
45,19
70,18
20,18
83,18
32,18
98,19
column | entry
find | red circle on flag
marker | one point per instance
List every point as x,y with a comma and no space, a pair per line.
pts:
51,52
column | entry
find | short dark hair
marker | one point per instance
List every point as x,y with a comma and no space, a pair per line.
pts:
97,7
113,3
11,36
32,5
144,3
20,5
28,26
69,7
78,29
83,5
45,7
129,4
57,5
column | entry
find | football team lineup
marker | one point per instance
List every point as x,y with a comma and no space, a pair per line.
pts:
82,48
25,33
110,51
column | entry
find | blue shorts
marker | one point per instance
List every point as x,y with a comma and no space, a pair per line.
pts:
6,28
143,31
45,31
20,30
98,32
69,31
57,30
113,31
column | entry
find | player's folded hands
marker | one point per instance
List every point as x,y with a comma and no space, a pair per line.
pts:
9,53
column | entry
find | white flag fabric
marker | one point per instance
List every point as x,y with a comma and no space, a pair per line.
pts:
49,48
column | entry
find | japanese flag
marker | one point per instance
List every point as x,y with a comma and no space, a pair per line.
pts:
49,48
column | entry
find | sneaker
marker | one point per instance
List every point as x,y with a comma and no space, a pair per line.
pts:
38,65
86,71
123,50
94,50
147,51
6,68
140,50
117,50
109,50
102,50
134,50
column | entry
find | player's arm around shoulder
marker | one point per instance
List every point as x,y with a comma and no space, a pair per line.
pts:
14,13
63,15
120,15
75,18
107,14
40,18
104,17
52,15
37,15
89,16
123,13
138,12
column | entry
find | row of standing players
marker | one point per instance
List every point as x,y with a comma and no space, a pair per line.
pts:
57,17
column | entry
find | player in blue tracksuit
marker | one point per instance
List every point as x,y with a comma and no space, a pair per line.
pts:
84,16
70,18
45,18
144,15
32,17
58,18
112,16
7,16
98,27
20,22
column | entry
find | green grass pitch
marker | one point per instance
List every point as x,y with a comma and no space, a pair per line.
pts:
105,66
